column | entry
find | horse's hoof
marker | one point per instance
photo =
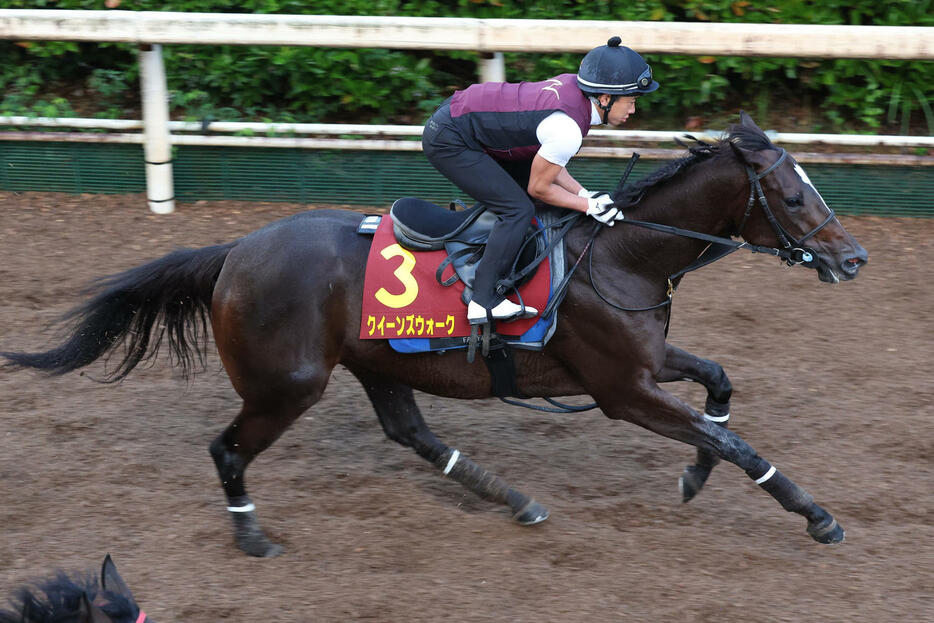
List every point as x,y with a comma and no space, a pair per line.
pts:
261,548
826,531
531,514
691,482
251,538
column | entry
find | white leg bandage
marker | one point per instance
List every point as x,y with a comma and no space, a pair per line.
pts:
451,461
766,475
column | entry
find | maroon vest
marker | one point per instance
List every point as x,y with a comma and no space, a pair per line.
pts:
503,116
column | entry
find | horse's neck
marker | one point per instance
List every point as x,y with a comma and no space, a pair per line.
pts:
705,198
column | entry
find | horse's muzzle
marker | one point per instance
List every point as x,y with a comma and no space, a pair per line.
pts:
832,270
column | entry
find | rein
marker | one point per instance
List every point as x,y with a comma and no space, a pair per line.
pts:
793,250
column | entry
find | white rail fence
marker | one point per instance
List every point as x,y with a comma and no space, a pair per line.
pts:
481,35
489,37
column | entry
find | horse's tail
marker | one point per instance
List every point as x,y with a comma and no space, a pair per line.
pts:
137,308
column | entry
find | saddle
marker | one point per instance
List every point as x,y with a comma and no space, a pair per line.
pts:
411,310
420,225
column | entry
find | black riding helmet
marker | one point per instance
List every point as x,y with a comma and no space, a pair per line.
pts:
615,69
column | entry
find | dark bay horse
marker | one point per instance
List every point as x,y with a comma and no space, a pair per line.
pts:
104,599
284,304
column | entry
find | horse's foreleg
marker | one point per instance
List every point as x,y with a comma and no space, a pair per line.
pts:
652,408
403,423
253,430
681,365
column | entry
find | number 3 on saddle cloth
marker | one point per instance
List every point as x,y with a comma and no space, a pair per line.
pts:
417,249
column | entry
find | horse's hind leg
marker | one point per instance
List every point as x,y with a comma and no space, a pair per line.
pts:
681,365
403,423
256,427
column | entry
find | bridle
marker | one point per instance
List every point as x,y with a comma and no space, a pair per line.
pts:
796,252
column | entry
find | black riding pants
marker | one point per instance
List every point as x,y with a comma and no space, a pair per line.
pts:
464,162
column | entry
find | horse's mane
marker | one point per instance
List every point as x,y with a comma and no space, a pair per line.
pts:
747,137
58,600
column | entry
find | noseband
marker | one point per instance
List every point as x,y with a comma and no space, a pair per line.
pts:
796,252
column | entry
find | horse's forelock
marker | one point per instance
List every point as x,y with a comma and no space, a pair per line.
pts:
749,137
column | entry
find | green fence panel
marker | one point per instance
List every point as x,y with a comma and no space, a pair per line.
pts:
72,167
306,176
377,178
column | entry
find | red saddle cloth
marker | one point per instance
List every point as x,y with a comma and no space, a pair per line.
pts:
403,299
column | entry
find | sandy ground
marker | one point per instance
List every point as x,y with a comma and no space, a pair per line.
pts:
833,385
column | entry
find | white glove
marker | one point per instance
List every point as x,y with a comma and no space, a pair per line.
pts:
602,209
583,192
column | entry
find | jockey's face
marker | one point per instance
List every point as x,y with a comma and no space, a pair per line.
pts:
622,108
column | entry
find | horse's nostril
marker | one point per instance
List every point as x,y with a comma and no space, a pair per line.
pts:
851,265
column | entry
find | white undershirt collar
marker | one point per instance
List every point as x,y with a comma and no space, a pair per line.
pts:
595,117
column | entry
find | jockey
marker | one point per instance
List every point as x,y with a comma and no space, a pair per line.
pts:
505,144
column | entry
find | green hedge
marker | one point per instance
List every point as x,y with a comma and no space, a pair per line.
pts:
391,86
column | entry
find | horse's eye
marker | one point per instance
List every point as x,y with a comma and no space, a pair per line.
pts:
794,202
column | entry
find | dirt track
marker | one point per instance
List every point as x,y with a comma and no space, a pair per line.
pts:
833,385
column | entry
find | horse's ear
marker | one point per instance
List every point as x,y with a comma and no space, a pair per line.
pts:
111,580
89,613
746,120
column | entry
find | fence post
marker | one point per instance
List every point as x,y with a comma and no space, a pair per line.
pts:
157,143
492,67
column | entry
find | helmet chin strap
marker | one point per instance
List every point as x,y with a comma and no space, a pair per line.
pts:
606,109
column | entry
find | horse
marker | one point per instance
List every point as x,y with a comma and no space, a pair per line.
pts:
76,600
284,305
